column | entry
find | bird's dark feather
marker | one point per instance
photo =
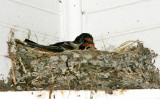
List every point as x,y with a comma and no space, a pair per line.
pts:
67,45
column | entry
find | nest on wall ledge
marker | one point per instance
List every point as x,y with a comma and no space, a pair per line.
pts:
130,67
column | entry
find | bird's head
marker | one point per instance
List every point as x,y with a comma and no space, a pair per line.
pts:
85,40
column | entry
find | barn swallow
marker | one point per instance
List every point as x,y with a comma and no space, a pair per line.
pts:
83,41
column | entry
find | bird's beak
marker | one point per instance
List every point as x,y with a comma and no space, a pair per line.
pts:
92,45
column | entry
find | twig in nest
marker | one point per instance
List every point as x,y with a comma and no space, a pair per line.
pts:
37,77
79,66
13,75
68,83
22,65
51,89
91,78
130,74
124,47
11,54
133,73
12,57
28,75
71,71
20,42
142,73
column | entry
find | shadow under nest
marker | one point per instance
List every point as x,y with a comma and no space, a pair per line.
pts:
84,69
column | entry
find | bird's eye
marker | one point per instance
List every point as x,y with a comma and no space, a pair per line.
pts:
84,40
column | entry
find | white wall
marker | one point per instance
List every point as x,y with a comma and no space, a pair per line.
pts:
71,19
41,17
116,21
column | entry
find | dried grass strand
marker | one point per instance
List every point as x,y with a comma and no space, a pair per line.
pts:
13,74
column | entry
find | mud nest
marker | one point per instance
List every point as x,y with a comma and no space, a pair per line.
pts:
84,70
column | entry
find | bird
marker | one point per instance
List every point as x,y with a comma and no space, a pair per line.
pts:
81,42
